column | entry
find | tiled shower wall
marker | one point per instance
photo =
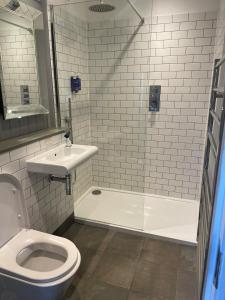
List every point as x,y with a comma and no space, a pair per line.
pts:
124,111
220,32
119,67
159,153
72,60
183,46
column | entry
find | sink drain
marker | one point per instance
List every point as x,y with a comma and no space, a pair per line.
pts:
96,192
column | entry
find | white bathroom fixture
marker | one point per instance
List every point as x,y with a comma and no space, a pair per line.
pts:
61,160
33,265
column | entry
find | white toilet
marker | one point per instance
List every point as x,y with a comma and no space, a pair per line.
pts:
33,265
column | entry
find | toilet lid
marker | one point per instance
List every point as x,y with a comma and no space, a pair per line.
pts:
13,214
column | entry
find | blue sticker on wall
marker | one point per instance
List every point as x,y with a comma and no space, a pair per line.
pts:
75,84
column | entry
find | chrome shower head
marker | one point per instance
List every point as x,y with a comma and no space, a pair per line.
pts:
101,7
13,5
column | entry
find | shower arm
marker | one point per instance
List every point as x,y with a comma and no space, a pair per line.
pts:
136,11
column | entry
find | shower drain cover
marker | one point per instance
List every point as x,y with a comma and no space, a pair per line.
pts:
96,192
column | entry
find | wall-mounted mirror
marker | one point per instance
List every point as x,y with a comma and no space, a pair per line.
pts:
22,88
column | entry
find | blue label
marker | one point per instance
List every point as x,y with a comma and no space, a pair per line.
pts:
75,84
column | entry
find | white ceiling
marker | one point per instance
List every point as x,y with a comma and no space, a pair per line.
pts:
164,7
122,9
145,7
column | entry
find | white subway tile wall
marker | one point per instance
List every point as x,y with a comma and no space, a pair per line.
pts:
178,134
220,32
47,204
72,60
159,153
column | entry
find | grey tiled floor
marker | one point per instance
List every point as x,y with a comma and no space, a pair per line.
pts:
122,266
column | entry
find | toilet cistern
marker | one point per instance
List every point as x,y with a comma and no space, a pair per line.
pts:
33,265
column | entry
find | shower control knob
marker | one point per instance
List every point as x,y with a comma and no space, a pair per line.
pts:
19,216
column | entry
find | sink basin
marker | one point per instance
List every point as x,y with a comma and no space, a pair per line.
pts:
60,160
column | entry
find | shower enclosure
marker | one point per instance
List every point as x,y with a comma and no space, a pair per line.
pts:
147,173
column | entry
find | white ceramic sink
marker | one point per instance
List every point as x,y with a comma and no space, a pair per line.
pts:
61,160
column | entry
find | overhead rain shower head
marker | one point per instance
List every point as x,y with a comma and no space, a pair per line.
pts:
20,9
101,7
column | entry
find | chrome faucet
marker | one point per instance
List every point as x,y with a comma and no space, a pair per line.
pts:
68,139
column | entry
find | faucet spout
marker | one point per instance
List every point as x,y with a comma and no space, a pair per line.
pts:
68,143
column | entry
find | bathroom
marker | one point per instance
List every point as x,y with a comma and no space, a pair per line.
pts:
106,134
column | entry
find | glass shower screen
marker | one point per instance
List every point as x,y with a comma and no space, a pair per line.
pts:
108,47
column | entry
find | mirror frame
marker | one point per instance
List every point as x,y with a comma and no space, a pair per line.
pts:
21,111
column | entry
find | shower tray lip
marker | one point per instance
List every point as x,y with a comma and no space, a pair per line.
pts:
182,231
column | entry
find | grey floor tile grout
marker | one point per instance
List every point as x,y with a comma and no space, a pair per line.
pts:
156,270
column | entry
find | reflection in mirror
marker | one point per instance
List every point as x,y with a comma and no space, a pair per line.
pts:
21,91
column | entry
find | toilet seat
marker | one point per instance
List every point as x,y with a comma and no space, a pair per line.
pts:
11,252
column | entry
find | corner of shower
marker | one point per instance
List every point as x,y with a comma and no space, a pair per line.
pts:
126,184
119,59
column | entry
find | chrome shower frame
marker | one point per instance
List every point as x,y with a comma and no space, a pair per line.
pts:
136,11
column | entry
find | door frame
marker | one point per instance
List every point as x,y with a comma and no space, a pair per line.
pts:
217,239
